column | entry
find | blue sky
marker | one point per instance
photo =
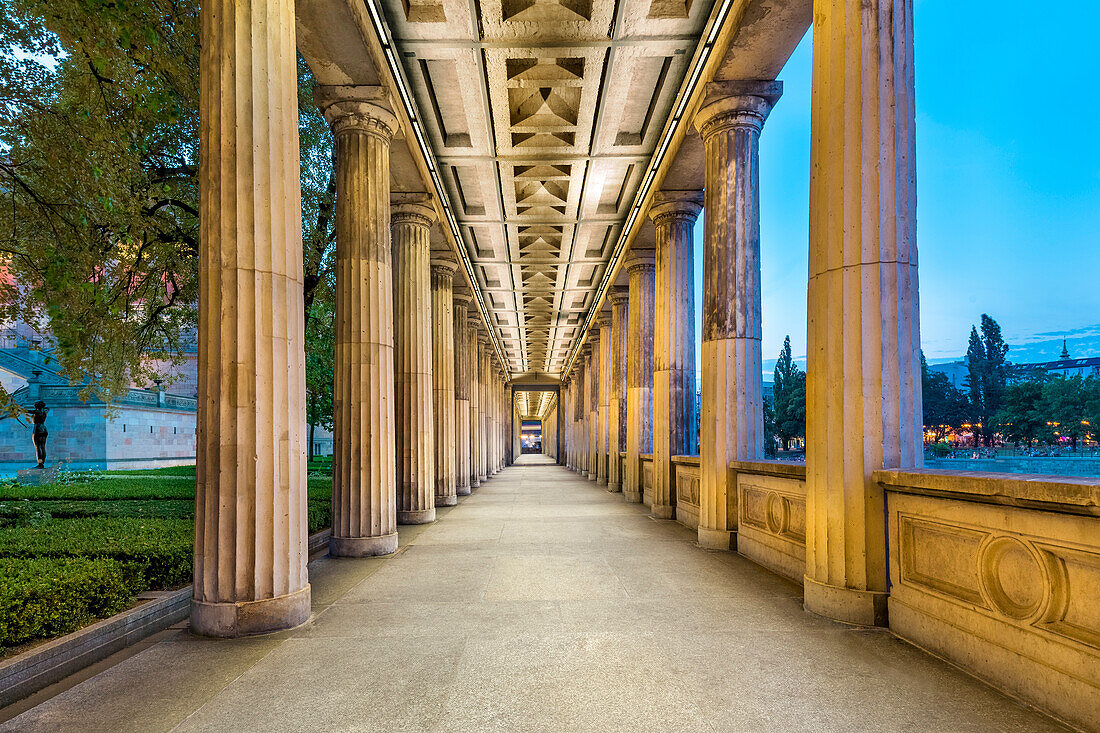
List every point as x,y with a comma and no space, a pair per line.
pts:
1008,179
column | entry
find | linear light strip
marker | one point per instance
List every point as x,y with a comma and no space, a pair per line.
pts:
686,91
398,73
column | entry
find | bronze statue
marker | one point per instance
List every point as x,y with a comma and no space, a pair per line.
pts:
40,432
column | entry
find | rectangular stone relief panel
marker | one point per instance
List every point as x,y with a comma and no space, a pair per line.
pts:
941,558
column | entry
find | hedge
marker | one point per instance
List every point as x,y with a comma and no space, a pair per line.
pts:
318,488
68,509
160,549
42,597
188,471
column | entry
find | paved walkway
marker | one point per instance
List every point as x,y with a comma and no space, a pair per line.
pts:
539,603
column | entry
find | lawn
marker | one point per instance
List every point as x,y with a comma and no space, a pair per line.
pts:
85,547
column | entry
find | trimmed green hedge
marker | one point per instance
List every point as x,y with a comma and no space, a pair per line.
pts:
159,549
188,471
42,597
109,488
171,508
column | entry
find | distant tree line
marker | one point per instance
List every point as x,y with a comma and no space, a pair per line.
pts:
999,399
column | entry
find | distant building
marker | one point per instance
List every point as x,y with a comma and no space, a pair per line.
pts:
1064,366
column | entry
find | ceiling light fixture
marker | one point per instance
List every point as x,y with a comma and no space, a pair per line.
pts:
398,74
702,55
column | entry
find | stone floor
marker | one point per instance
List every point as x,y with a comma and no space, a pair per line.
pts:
539,603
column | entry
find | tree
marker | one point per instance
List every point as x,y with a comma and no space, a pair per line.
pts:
1065,403
320,360
99,176
987,375
1021,417
789,398
945,405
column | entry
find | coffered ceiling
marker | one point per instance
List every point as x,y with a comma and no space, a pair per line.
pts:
543,115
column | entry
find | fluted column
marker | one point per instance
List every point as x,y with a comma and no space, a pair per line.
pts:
603,398
250,502
639,371
364,481
461,303
863,365
443,380
673,213
732,421
580,410
485,389
618,342
413,365
474,322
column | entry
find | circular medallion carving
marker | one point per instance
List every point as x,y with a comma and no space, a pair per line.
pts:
1013,578
779,515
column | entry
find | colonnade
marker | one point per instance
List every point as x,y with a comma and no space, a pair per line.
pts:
863,379
420,398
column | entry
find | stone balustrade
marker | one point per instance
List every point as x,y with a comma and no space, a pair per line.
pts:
1000,573
771,514
685,480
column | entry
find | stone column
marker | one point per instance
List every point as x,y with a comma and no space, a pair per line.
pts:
250,502
592,408
603,428
616,433
639,371
580,410
443,380
485,389
567,406
461,302
673,213
863,401
474,321
364,482
413,365
732,424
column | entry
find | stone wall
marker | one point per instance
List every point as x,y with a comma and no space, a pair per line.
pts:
647,479
771,515
685,479
1049,466
1002,577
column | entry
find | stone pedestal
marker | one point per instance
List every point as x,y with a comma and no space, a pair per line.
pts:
603,427
250,490
639,372
462,392
413,363
443,380
673,213
617,355
863,402
363,472
732,419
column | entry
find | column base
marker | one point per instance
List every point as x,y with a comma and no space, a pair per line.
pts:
663,511
614,487
632,497
475,484
717,539
363,546
462,491
847,605
446,500
248,618
601,480
416,516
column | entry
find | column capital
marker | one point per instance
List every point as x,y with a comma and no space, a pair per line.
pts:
415,209
483,339
620,294
461,296
645,259
349,108
594,336
603,318
669,206
443,266
473,317
728,104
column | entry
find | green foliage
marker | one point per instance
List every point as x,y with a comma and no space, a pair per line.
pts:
1043,409
318,515
941,449
788,398
987,376
170,508
99,128
42,597
945,405
110,488
159,549
185,471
